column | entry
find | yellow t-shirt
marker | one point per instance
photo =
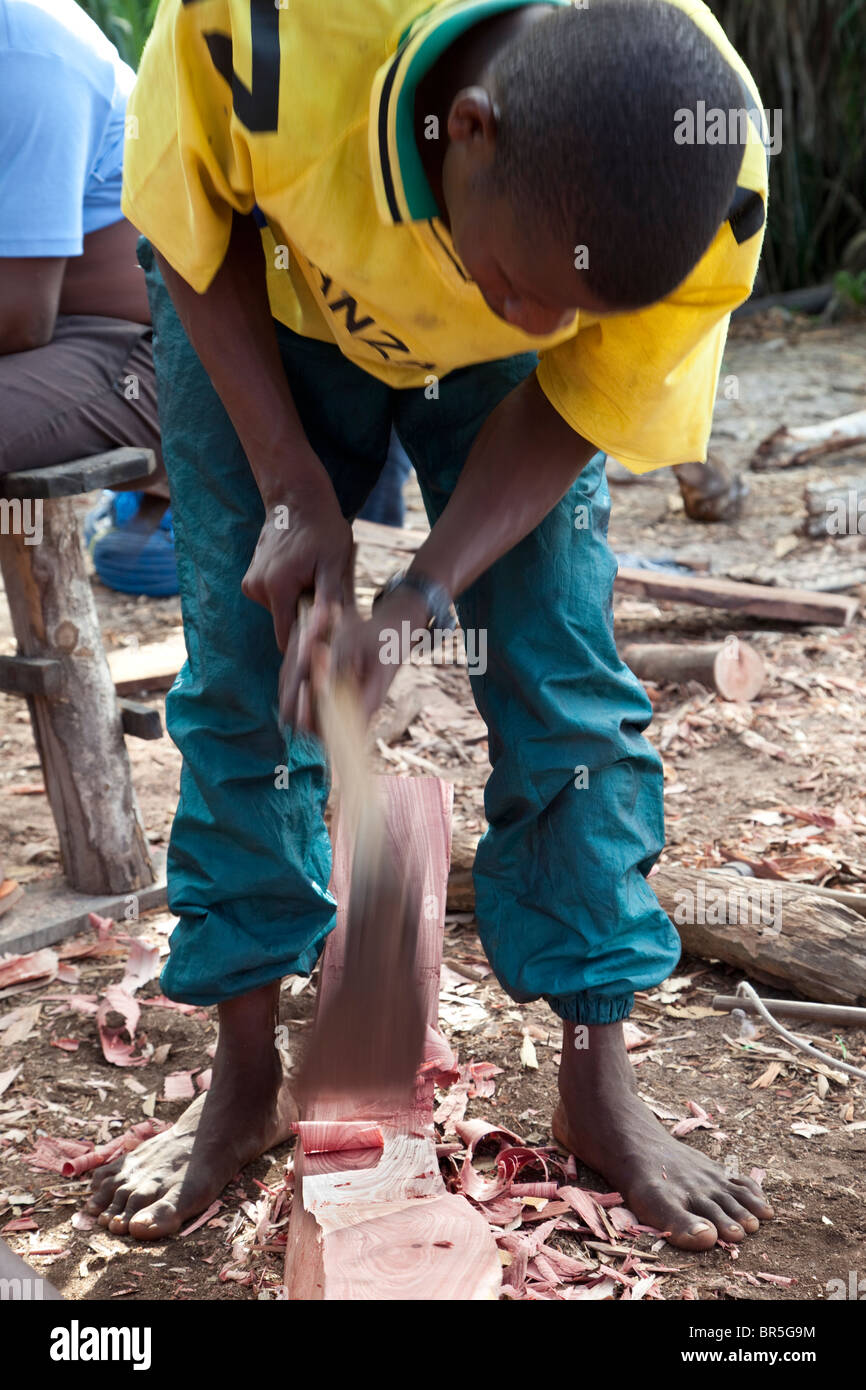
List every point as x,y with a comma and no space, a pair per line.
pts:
301,111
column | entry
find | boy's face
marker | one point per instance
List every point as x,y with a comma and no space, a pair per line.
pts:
525,276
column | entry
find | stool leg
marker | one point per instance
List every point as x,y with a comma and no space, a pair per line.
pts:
78,732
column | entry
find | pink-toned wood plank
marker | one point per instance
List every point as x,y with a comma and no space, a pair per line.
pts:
335,1136
377,1222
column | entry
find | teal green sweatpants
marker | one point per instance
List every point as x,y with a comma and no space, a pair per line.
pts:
563,905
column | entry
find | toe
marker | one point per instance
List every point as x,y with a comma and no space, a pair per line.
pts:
103,1190
157,1220
692,1233
749,1193
727,1227
682,1224
739,1213
116,1206
98,1201
143,1195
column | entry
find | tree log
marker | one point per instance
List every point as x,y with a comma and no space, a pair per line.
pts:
78,732
371,1218
785,447
775,932
732,668
782,934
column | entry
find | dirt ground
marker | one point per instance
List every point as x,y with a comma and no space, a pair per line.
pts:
734,775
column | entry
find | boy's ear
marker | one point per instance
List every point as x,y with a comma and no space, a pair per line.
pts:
472,117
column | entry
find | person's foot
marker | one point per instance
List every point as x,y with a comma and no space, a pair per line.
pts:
156,1189
678,1190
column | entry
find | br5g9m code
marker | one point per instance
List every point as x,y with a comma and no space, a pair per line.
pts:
721,1333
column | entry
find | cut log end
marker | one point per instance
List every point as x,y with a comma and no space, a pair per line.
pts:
738,671
732,668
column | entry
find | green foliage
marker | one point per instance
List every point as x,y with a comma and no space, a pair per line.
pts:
807,57
126,22
851,287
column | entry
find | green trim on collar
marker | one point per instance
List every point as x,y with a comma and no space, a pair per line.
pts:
409,195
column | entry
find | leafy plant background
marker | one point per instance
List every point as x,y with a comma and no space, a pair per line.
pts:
126,22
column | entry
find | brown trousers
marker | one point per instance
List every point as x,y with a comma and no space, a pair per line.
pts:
92,388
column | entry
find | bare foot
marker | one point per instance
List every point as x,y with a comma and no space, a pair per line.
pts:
169,1179
602,1121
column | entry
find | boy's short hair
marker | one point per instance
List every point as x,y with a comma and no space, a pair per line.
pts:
587,104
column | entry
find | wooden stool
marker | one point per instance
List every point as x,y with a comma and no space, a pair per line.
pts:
62,671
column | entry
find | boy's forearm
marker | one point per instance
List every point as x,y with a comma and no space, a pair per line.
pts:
522,463
232,330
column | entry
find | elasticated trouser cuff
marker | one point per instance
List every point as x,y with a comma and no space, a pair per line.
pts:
592,1009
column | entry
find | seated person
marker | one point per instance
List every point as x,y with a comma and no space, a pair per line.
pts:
76,364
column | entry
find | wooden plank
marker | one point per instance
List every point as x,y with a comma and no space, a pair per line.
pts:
140,721
21,1281
774,931
819,948
371,1222
151,667
30,675
754,600
79,737
70,479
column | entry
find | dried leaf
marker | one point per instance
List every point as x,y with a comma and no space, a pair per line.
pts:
7,1077
528,1054
19,1024
124,1012
36,965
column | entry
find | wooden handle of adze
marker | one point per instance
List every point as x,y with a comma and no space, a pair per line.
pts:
340,718
371,1039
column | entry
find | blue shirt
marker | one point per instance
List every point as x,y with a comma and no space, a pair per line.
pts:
63,93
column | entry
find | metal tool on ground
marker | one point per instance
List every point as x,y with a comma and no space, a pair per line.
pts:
368,1038
749,1001
838,1015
